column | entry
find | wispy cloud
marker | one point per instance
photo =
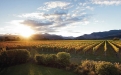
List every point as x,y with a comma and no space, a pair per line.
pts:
107,2
36,23
54,15
35,15
54,4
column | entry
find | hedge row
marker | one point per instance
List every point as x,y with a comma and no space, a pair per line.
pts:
89,67
60,60
13,57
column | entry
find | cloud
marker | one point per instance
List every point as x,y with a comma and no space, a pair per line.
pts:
60,12
15,22
89,7
36,23
58,15
106,2
54,4
35,15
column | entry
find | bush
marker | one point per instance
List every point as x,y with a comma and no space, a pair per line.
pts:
63,59
106,68
47,59
87,67
89,64
51,60
13,57
118,66
73,66
41,59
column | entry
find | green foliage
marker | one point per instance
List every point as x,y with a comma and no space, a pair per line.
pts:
105,46
118,66
51,60
114,47
106,68
88,64
47,59
89,67
63,58
13,57
41,59
72,66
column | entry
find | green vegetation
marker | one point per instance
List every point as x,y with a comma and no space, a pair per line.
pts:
61,60
114,47
89,67
97,57
32,69
13,57
47,60
106,68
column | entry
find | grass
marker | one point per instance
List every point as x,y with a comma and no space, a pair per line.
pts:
32,69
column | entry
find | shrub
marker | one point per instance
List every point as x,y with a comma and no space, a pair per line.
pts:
106,68
63,59
41,59
13,57
89,67
86,67
73,66
89,64
51,60
82,71
118,66
47,59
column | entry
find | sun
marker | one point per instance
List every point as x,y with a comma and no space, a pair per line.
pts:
24,31
27,33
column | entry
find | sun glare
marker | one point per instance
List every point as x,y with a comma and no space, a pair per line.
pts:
24,31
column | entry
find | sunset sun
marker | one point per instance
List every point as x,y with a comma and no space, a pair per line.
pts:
24,31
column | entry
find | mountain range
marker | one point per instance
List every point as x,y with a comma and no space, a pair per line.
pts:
102,35
95,35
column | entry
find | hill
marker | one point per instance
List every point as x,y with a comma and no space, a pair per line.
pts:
95,35
101,35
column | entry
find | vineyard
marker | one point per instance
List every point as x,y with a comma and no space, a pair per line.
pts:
106,50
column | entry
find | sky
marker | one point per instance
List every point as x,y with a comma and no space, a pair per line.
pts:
60,17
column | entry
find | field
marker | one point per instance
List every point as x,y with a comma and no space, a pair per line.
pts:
105,50
98,50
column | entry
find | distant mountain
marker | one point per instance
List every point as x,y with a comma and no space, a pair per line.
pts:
68,38
46,36
95,35
33,37
101,35
9,37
